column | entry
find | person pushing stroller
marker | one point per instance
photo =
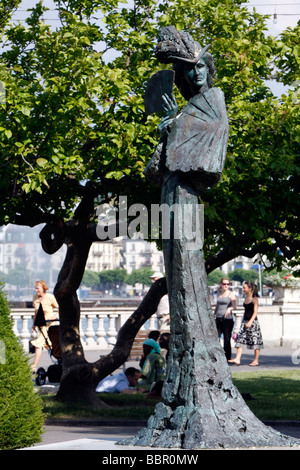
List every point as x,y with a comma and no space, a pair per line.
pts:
44,305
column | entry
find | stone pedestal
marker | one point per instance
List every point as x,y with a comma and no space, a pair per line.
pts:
287,295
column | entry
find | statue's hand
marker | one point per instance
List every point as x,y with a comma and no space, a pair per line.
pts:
170,111
170,107
164,124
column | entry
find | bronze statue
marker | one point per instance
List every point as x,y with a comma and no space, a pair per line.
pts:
194,143
200,408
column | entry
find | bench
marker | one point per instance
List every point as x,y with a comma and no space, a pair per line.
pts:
136,351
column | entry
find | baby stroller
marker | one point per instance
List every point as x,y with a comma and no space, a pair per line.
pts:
54,371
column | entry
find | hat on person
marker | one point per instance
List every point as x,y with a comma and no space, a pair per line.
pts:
156,274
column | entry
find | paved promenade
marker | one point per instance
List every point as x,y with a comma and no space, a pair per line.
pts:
103,436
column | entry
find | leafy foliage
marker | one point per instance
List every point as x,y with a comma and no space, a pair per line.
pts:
242,275
21,416
113,276
140,276
90,278
73,111
283,278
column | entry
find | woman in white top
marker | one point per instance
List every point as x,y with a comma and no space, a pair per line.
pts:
226,303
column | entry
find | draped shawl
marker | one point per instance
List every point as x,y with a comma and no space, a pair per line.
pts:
197,143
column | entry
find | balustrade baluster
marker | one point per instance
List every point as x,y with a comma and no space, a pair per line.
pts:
100,333
15,319
81,330
25,333
112,332
89,332
93,334
152,323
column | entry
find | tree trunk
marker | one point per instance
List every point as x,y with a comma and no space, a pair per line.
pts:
80,378
201,408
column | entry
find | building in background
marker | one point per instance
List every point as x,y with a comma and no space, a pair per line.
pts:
23,261
138,253
21,254
105,255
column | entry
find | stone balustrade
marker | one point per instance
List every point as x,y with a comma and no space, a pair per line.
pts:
99,326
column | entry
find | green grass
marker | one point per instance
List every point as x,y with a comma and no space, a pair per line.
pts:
121,406
276,393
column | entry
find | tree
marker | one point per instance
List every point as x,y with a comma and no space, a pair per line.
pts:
140,276
113,276
215,277
62,106
242,275
90,278
74,134
247,214
18,277
21,411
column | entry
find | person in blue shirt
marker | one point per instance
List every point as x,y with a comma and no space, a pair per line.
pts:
124,382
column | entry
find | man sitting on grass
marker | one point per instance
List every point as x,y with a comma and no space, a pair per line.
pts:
124,382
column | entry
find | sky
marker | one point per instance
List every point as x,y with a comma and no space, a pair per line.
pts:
288,12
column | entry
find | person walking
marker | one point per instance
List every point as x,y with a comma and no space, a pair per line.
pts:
249,335
47,302
226,303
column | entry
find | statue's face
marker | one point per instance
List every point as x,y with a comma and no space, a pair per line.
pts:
196,74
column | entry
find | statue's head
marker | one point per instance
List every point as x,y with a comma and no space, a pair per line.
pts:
190,61
184,73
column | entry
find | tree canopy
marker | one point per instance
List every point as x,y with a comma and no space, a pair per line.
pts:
72,112
141,276
74,134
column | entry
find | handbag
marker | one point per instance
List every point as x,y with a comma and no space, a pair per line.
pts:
234,336
40,317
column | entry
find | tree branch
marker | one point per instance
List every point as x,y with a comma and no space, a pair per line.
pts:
108,364
235,248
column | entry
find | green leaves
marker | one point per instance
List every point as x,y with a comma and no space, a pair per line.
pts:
74,111
41,162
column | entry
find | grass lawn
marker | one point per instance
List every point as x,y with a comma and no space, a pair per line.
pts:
276,393
120,406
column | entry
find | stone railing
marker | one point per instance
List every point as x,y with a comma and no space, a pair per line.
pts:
99,326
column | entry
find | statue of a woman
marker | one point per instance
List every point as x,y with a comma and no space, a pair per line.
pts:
194,143
200,408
